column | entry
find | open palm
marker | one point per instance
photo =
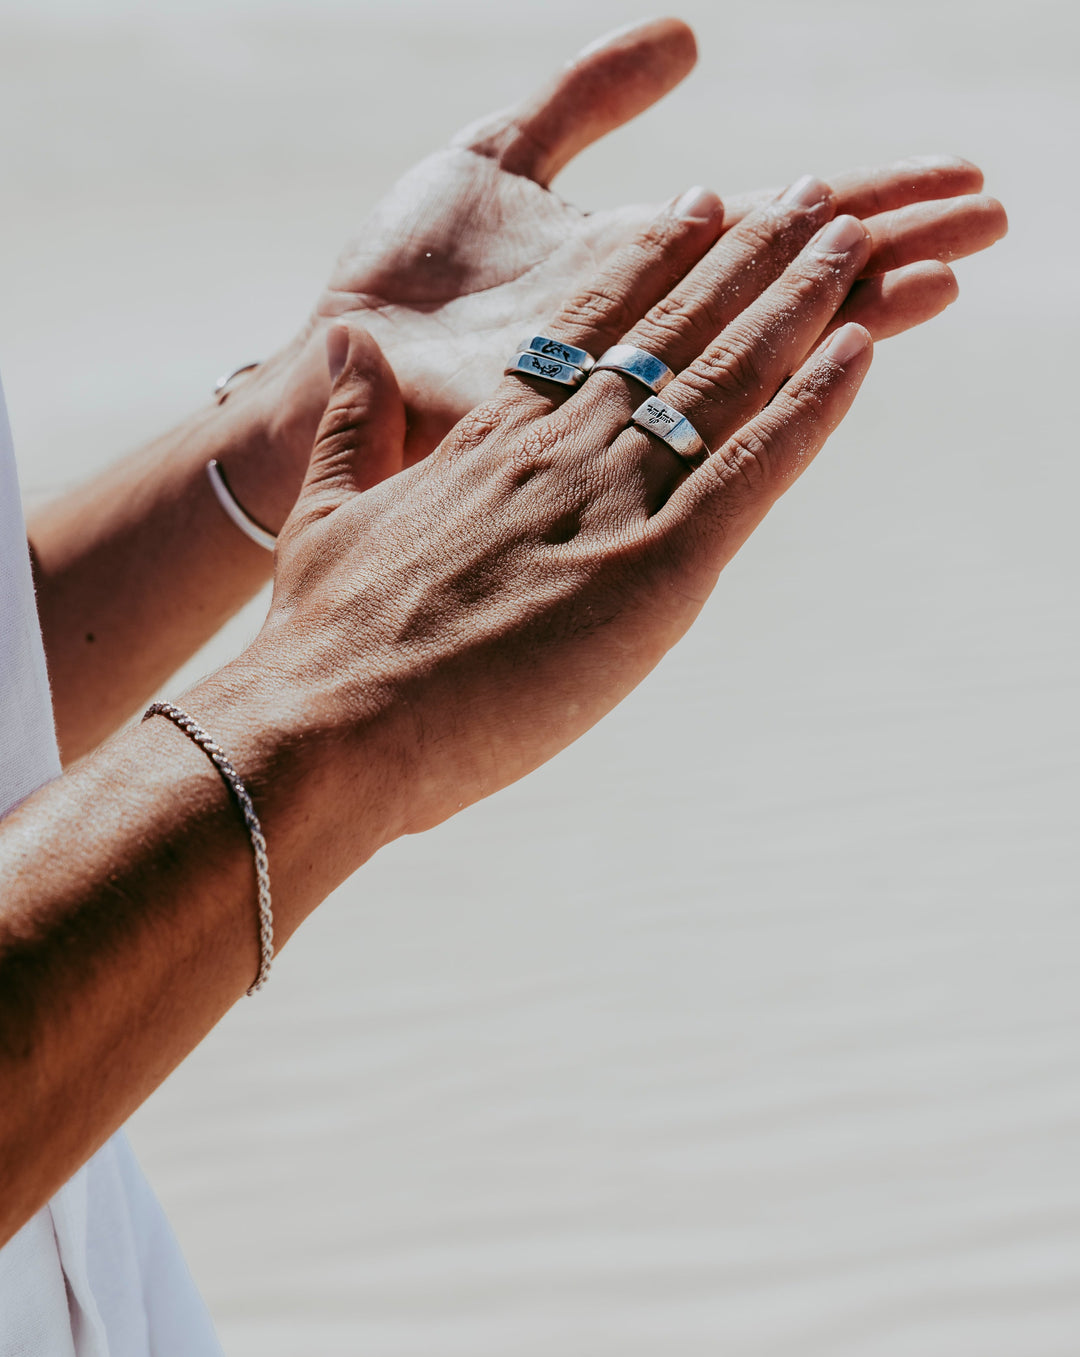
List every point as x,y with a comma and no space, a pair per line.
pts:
455,267
470,251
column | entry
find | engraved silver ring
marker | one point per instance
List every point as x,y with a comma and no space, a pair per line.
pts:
547,347
673,428
638,363
530,364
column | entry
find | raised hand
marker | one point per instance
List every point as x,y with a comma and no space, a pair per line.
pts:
470,250
469,253
428,642
458,624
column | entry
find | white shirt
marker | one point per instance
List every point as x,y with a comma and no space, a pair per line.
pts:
97,1272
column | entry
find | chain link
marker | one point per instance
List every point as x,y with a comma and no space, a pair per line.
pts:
221,762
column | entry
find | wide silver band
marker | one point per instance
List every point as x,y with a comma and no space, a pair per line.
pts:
637,363
674,428
226,499
551,369
560,352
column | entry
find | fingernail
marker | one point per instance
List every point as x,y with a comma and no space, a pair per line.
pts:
848,342
806,192
697,204
337,350
839,236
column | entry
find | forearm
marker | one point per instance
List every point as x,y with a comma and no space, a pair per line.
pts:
138,568
129,919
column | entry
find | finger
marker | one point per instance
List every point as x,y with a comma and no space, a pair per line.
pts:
634,279
938,230
737,271
608,83
710,515
894,302
865,192
741,371
361,436
882,188
676,322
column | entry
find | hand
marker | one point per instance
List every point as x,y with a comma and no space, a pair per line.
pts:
469,253
470,250
428,642
455,626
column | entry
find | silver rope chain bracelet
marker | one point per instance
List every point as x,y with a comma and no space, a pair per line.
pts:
220,760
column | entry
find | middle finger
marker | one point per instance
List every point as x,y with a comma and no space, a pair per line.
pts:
737,269
740,372
730,379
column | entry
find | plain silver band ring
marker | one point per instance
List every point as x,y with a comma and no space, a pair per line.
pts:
547,347
532,365
673,428
638,363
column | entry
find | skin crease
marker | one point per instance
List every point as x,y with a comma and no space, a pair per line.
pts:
468,252
429,641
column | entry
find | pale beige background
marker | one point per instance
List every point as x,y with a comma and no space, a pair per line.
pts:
751,1025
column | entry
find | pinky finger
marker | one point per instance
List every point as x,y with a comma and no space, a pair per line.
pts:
712,513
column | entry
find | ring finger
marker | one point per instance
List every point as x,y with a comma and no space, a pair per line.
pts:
742,369
735,377
676,320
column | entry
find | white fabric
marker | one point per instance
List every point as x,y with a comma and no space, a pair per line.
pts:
97,1272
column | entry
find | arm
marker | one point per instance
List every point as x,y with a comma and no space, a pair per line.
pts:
429,642
137,569
466,253
128,926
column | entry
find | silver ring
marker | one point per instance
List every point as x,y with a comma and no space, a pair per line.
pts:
532,365
562,353
673,428
637,363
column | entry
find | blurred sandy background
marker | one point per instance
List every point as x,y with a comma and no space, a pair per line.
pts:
751,1025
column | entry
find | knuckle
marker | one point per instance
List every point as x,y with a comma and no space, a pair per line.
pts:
530,453
746,458
808,400
806,283
668,326
815,275
658,245
771,238
479,425
602,307
534,444
652,240
342,426
762,230
778,231
728,371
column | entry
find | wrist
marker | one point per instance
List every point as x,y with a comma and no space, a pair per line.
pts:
328,784
274,412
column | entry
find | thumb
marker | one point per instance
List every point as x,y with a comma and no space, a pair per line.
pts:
608,83
361,436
